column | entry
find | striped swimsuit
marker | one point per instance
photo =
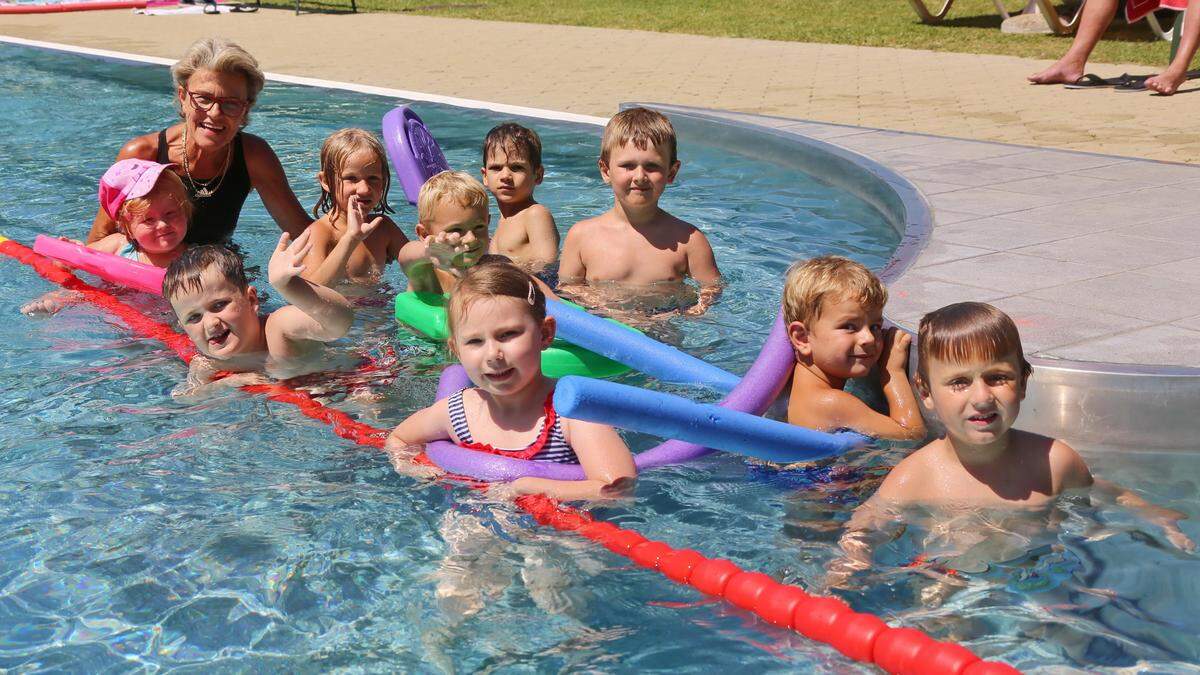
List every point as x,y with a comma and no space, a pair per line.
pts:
549,447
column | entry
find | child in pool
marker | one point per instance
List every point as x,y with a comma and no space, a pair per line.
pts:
972,374
498,330
636,242
833,308
452,232
218,310
512,168
152,211
346,242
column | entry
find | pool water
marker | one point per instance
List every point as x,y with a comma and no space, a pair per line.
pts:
144,534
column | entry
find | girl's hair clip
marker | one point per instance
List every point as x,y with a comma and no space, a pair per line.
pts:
531,297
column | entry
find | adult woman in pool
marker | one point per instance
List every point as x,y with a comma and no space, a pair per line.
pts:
216,85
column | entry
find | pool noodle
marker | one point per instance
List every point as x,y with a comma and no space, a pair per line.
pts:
635,349
754,394
670,416
107,266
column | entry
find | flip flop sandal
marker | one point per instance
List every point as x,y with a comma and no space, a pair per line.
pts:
1093,81
244,9
1141,86
211,8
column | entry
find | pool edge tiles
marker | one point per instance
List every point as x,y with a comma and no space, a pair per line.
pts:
1065,267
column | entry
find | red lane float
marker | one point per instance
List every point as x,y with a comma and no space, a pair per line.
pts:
862,637
50,8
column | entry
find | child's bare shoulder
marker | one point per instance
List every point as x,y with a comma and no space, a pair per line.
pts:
110,244
908,480
1067,467
593,224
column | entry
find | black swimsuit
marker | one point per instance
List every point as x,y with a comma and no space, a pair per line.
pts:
215,217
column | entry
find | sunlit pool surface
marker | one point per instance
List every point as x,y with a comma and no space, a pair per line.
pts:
143,534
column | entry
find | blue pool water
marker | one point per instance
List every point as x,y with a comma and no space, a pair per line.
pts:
142,534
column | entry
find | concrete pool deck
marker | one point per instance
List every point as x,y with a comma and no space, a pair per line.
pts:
1095,255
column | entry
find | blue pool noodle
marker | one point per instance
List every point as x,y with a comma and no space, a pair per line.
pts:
670,416
636,350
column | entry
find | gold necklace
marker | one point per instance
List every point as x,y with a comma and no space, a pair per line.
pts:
204,190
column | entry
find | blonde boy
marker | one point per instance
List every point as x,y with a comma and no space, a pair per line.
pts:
636,242
452,232
512,168
218,310
833,307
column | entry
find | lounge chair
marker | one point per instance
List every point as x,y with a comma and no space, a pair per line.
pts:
929,17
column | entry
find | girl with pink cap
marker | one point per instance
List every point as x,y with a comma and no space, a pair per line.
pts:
151,208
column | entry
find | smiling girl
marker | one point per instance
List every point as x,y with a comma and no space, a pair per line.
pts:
498,330
354,182
151,209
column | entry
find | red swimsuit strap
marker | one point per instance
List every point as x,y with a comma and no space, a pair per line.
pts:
535,447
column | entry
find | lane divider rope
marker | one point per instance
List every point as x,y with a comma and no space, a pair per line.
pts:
859,636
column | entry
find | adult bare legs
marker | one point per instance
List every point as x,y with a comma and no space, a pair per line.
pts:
1097,14
1168,81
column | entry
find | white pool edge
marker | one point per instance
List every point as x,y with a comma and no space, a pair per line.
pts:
503,108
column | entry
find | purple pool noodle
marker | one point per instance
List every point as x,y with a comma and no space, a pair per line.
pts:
414,152
754,394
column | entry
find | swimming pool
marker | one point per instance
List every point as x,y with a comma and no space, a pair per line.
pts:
145,534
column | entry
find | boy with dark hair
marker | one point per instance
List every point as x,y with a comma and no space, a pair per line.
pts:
218,310
512,168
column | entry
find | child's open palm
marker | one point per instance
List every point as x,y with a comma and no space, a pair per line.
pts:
287,262
445,250
357,225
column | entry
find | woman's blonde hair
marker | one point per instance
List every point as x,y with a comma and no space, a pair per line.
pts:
168,185
492,280
457,185
220,55
811,284
335,151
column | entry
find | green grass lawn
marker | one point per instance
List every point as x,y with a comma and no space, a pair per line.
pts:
973,25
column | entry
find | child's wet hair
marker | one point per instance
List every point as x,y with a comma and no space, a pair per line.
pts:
186,273
515,141
167,185
811,284
456,185
335,151
966,332
644,127
493,279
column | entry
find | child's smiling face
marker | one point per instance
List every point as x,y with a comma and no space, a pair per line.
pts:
500,344
510,177
976,401
220,318
638,176
361,174
845,340
459,225
161,228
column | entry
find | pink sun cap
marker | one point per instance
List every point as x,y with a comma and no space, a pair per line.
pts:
127,179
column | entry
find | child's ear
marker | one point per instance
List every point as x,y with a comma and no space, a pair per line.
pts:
604,171
252,297
673,172
422,231
800,338
321,180
549,327
541,173
923,392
